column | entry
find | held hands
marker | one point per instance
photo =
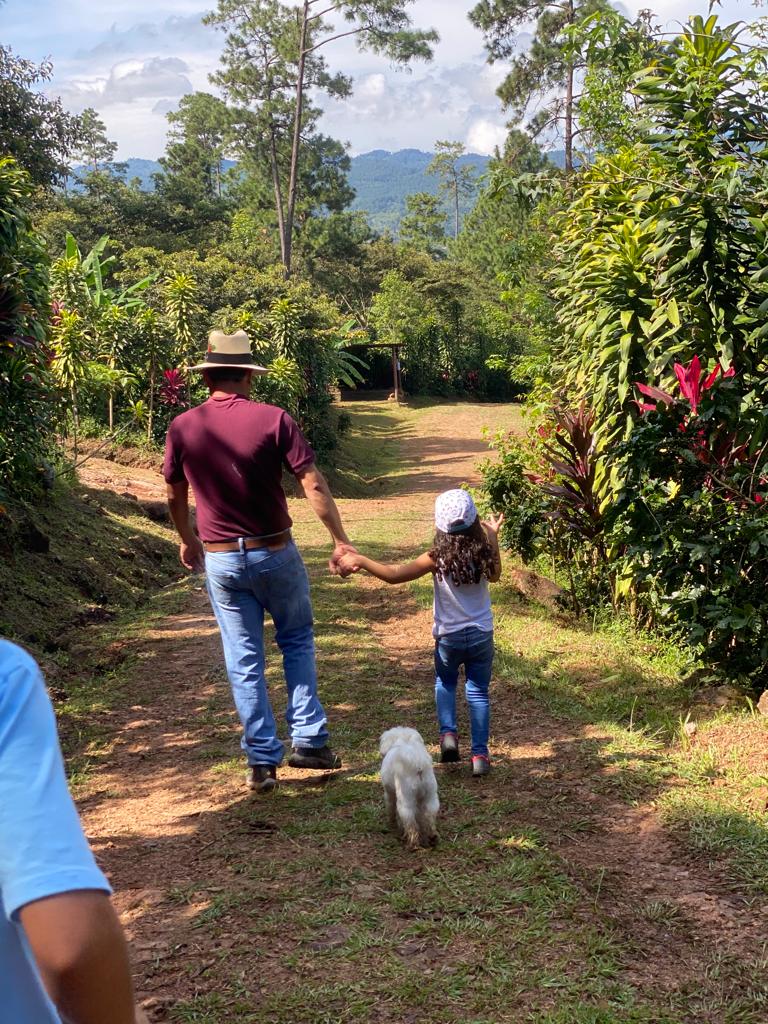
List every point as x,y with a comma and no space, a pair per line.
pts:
349,563
340,553
494,523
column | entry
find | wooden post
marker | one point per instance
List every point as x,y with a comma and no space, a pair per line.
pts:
396,372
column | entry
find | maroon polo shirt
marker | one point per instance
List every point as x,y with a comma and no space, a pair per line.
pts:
232,451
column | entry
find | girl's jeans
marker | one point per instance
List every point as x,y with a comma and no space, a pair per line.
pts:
242,585
472,648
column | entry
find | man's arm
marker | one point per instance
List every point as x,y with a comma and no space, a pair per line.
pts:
319,496
80,950
191,551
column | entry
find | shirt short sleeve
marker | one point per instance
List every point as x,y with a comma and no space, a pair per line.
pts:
43,851
173,471
296,452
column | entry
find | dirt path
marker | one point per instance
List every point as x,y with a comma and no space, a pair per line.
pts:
547,898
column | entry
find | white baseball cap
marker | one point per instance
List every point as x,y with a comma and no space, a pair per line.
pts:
454,511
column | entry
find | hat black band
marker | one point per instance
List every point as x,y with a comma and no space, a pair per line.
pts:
226,358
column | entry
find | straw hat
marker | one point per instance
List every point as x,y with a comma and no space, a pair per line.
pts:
230,350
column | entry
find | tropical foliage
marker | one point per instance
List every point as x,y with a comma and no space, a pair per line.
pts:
646,482
26,429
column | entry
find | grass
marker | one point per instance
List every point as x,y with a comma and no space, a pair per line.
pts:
303,907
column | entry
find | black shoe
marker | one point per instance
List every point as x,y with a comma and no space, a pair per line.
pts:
262,778
480,765
314,758
449,748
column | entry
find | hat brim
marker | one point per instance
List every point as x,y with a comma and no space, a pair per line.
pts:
230,366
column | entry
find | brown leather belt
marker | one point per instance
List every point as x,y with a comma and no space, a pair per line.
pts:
251,543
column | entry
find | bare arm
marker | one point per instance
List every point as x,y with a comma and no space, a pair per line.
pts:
319,496
492,527
389,573
80,951
191,550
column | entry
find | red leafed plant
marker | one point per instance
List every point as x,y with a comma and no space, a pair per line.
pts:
571,455
693,384
172,388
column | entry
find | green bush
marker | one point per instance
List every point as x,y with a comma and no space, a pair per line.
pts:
27,400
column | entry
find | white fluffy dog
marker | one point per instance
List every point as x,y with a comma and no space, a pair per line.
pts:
410,787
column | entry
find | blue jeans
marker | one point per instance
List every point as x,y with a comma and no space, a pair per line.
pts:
472,648
242,585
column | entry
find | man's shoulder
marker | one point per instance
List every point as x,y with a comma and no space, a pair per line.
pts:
15,659
188,416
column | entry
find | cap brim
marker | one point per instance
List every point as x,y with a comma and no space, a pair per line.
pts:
230,366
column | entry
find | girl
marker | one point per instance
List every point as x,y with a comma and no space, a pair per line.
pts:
463,560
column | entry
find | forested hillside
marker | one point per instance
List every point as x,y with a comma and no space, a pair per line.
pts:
382,181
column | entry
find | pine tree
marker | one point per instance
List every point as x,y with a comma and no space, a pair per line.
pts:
272,60
192,165
456,179
95,149
550,65
423,226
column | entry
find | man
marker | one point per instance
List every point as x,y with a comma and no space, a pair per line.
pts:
232,451
62,950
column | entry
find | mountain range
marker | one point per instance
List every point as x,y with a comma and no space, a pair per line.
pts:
382,180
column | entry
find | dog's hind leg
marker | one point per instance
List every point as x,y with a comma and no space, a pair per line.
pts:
390,802
409,826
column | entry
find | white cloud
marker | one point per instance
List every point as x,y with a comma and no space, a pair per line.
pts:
484,136
128,81
133,59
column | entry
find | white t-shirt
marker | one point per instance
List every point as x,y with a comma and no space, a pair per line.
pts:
460,607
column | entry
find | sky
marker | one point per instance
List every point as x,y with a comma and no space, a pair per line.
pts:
132,60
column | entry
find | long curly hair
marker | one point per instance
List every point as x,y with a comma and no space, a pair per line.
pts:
463,557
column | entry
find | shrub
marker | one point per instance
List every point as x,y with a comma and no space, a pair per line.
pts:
27,404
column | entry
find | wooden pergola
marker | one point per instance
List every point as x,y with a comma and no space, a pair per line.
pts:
395,349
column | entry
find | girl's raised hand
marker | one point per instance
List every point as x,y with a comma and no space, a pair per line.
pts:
494,523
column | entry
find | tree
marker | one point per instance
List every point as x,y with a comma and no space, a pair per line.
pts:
27,396
94,149
550,64
272,60
197,144
493,236
36,131
456,179
662,250
424,224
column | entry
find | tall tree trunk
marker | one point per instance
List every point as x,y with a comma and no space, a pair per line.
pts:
75,421
456,201
278,195
293,185
569,103
151,413
569,121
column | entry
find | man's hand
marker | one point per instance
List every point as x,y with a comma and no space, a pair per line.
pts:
494,523
340,552
192,555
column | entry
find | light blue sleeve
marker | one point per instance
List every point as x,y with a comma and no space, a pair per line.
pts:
43,851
